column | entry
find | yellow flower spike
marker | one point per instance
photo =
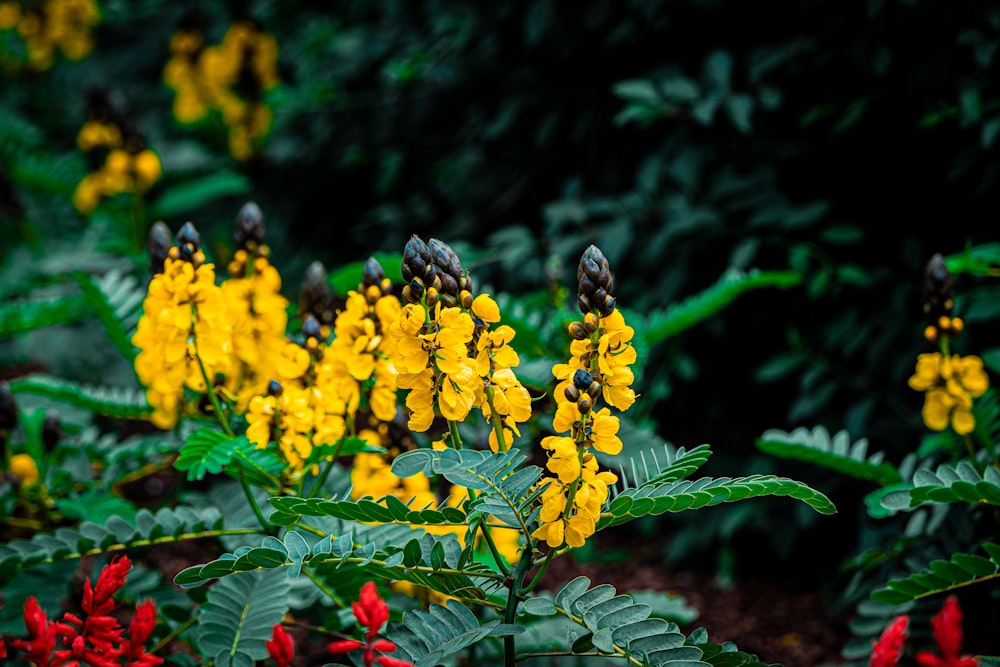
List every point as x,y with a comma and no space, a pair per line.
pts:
950,384
293,361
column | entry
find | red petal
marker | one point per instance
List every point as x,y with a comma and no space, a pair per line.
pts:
344,646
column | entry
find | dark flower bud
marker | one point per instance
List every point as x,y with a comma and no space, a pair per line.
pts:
594,389
466,299
578,331
416,257
448,284
582,379
8,408
51,430
274,388
584,405
938,301
416,290
449,300
598,297
373,273
587,286
316,297
465,282
572,394
158,243
188,241
249,225
311,327
431,297
590,322
445,258
595,281
608,306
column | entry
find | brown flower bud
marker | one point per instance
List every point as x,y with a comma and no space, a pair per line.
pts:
416,257
582,379
590,322
51,429
274,388
373,273
578,331
158,243
188,241
316,296
311,327
249,225
572,394
465,297
584,404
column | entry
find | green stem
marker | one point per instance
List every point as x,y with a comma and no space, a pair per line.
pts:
321,480
269,529
456,439
541,571
323,587
497,422
173,634
515,593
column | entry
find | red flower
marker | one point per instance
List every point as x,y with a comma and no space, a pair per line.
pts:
372,613
94,638
947,626
280,646
886,651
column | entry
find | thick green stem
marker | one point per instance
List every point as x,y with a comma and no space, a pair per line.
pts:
516,592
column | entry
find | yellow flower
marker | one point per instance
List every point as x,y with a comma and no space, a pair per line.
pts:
605,430
24,467
950,384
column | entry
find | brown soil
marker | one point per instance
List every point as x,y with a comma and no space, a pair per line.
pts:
761,616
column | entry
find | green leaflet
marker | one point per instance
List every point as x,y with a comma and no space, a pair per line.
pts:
117,301
689,312
961,569
118,402
207,451
617,625
685,494
428,637
115,534
837,453
426,560
239,615
389,509
17,317
960,483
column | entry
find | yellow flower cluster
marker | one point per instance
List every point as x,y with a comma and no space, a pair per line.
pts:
229,78
257,312
302,410
599,369
950,383
184,333
443,349
48,27
496,359
127,165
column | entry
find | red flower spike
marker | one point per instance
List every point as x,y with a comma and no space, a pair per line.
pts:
886,651
947,626
389,661
3,649
372,613
344,646
280,646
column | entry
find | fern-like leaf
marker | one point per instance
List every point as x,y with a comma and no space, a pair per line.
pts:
960,483
678,317
118,402
21,316
428,560
962,569
507,487
206,451
239,615
389,509
117,301
685,494
116,534
837,453
428,637
617,626
677,464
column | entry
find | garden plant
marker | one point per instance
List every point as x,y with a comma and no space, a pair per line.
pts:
324,340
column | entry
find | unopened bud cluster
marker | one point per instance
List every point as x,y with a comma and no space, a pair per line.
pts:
434,272
939,301
595,283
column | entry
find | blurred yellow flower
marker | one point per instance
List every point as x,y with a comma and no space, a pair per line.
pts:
950,384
